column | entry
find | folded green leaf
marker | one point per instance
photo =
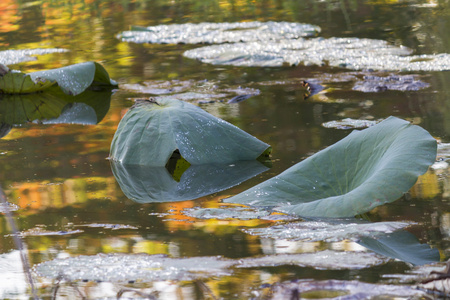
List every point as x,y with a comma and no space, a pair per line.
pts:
151,131
72,80
362,171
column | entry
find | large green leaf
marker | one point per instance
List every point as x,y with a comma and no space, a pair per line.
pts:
362,171
150,132
75,79
72,80
154,184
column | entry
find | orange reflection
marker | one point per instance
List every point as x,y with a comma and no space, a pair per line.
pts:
8,16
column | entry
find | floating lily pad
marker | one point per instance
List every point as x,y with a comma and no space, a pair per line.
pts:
151,131
155,184
37,231
327,259
366,169
237,213
349,123
342,290
14,82
314,231
123,268
374,83
350,53
216,33
10,57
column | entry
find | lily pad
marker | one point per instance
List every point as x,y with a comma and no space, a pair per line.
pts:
315,231
14,82
349,123
123,268
327,259
151,131
366,169
349,53
239,213
343,290
155,184
10,57
216,33
75,79
392,82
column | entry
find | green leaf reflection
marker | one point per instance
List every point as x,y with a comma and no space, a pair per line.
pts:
155,184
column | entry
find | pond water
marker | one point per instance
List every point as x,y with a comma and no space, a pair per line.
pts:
70,204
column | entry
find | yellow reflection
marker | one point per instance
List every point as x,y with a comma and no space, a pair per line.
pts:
427,186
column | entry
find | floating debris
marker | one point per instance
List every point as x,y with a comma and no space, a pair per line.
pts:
349,123
217,33
372,83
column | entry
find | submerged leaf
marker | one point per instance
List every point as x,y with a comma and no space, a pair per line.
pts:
151,131
154,184
215,33
366,169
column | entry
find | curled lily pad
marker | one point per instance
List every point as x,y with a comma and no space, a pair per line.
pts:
75,79
152,130
215,33
155,184
366,169
350,53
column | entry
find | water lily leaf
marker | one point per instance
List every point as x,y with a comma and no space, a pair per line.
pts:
145,184
342,290
123,268
236,213
327,259
10,57
321,231
349,123
150,132
349,53
402,245
14,82
215,33
75,79
362,171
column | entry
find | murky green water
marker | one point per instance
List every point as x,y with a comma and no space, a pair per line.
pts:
70,203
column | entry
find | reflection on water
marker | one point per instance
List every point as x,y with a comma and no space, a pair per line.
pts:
59,175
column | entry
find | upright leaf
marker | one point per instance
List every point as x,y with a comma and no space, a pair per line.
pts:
151,131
